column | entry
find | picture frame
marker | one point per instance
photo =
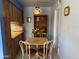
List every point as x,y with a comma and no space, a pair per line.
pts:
29,19
66,11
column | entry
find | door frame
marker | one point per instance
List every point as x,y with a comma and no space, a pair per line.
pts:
57,24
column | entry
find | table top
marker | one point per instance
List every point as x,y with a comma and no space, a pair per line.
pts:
37,41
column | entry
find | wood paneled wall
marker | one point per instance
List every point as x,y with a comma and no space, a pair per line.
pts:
11,13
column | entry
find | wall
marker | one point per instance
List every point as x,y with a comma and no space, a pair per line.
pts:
1,43
1,32
29,26
69,31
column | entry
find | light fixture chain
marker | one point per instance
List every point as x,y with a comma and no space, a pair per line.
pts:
37,3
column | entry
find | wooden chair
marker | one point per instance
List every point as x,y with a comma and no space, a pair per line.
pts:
26,50
46,51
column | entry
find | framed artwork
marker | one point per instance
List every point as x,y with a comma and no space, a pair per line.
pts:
29,19
66,11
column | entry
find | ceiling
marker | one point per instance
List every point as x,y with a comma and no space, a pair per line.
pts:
33,2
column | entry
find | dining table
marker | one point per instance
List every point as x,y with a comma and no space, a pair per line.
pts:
37,41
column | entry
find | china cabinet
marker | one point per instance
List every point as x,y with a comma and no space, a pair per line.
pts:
40,24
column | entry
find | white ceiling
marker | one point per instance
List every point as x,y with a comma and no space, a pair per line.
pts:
33,2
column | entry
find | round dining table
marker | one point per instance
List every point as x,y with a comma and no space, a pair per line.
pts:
37,41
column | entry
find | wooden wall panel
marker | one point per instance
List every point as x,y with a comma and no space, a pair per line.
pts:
10,14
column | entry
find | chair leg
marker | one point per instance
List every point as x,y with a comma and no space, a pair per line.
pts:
40,57
50,57
22,57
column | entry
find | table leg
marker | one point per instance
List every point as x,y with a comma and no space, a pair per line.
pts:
37,52
44,52
29,51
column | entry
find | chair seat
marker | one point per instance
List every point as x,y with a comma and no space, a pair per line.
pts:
32,52
41,52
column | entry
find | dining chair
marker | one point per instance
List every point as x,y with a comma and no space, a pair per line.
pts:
26,50
46,51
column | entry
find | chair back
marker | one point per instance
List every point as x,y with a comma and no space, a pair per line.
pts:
50,47
24,45
47,49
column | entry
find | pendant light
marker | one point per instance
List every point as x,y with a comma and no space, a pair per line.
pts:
37,9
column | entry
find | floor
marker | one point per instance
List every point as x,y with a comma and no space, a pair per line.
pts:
54,55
